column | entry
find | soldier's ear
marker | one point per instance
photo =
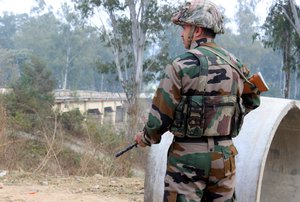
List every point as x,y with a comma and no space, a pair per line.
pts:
198,32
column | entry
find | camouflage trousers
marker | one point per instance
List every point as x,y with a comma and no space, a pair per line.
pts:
203,171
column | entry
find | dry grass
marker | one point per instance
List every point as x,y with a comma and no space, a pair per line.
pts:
51,149
53,153
4,143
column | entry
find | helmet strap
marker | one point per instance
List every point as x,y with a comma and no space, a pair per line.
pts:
191,35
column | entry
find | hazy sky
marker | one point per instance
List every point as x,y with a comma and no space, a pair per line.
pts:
21,6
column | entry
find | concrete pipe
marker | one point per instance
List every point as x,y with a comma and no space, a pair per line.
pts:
268,163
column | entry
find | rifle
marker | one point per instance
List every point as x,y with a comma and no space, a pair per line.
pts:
126,149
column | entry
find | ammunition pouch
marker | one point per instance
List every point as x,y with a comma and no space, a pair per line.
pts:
188,117
178,128
197,116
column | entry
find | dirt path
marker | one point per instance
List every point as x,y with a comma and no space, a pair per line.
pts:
26,188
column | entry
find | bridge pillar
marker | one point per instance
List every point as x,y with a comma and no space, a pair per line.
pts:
109,115
120,114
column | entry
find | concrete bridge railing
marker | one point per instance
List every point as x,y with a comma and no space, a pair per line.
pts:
268,163
103,106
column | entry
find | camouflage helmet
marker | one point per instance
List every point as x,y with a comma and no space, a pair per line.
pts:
201,13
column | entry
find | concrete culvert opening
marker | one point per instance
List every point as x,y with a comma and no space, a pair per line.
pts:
281,176
268,160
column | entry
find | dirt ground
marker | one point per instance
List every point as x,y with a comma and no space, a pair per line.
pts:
28,188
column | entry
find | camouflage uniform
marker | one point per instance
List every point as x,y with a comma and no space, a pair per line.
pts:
200,101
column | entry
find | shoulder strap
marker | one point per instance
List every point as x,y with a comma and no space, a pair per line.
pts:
203,69
234,66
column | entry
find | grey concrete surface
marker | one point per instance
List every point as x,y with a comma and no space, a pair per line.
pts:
268,163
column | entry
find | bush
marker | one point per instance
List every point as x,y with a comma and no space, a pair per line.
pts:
108,142
72,121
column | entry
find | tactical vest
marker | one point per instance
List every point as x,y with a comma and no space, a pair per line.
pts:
206,114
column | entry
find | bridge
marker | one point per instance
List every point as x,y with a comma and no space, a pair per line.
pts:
101,106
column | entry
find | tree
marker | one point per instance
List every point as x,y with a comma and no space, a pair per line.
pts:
128,28
8,29
31,100
10,61
281,35
39,35
293,16
252,53
9,24
70,49
72,41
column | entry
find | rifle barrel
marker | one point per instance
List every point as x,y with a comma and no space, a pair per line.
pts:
126,149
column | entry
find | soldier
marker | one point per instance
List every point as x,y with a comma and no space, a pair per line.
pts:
201,101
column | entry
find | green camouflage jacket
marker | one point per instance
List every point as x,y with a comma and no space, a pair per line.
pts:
181,79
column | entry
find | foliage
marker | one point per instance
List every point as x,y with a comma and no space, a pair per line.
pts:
104,135
131,28
3,130
275,26
10,61
108,141
31,99
10,24
35,141
83,57
69,48
70,161
72,121
252,53
279,34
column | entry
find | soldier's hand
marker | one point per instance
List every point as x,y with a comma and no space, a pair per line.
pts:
139,139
